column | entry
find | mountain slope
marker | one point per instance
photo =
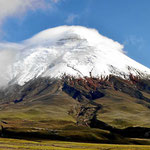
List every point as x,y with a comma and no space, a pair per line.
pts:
71,83
90,110
75,51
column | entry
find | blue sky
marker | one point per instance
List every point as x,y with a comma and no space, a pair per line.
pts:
125,21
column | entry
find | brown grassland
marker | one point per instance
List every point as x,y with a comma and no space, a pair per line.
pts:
19,144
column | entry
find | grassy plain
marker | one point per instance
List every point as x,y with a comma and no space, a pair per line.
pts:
19,144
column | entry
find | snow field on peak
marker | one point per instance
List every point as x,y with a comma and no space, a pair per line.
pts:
71,50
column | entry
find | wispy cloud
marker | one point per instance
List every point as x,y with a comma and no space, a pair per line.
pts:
135,41
8,53
71,18
55,1
9,8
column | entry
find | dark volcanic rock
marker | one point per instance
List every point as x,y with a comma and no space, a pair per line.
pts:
79,94
125,87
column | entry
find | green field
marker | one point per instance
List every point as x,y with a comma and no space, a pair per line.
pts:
49,113
19,144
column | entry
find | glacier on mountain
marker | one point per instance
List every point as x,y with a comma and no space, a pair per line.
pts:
72,50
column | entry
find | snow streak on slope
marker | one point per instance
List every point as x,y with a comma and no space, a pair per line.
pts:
72,50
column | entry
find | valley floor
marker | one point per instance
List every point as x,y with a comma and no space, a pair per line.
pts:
19,144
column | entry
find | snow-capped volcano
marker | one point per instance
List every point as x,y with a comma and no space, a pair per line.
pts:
71,50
